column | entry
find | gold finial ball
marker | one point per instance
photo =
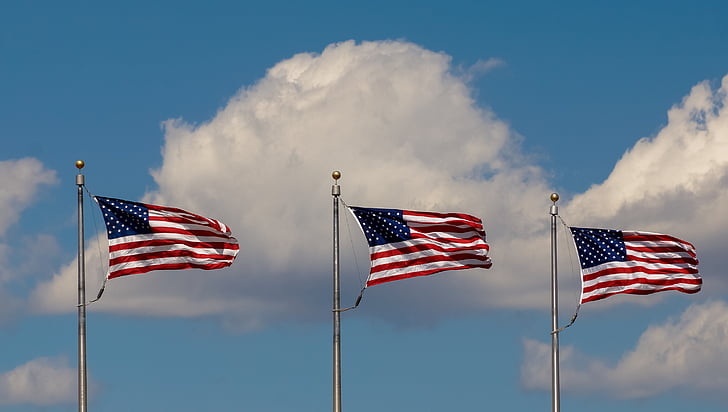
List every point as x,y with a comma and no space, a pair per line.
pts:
336,175
80,164
554,197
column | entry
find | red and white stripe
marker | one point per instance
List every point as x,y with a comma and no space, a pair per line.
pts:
440,241
179,240
655,262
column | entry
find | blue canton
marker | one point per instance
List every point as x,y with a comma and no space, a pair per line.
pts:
597,246
124,218
382,226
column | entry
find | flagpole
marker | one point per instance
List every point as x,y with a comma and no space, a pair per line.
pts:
336,192
555,390
82,380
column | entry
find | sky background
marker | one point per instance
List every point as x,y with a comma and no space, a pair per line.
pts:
241,111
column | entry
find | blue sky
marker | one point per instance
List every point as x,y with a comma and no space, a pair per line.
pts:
241,111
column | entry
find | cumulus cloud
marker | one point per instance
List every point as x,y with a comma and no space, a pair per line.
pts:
22,179
685,355
406,132
675,182
42,381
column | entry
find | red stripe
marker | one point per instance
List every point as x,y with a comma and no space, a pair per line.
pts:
193,232
168,266
451,223
637,292
653,237
428,259
177,219
444,228
170,242
183,215
185,253
416,235
462,216
424,273
423,247
660,249
171,209
667,261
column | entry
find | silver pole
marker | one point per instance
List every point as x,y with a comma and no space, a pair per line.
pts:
336,192
82,400
555,390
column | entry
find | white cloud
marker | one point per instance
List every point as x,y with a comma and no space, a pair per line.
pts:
688,153
406,133
42,381
480,68
21,180
676,182
686,355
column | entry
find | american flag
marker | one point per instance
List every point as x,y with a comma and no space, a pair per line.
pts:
145,237
405,244
615,261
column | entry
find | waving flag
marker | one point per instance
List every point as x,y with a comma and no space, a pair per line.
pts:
405,244
146,237
615,261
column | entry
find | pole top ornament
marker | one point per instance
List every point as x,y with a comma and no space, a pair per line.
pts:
336,175
554,197
80,164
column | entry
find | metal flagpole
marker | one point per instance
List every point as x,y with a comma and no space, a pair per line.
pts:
555,391
336,192
82,400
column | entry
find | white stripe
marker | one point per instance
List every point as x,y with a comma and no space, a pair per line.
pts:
460,228
188,227
161,261
190,220
416,242
660,244
635,275
176,214
461,264
633,265
447,235
661,255
420,254
450,220
170,236
637,286
169,248
458,224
